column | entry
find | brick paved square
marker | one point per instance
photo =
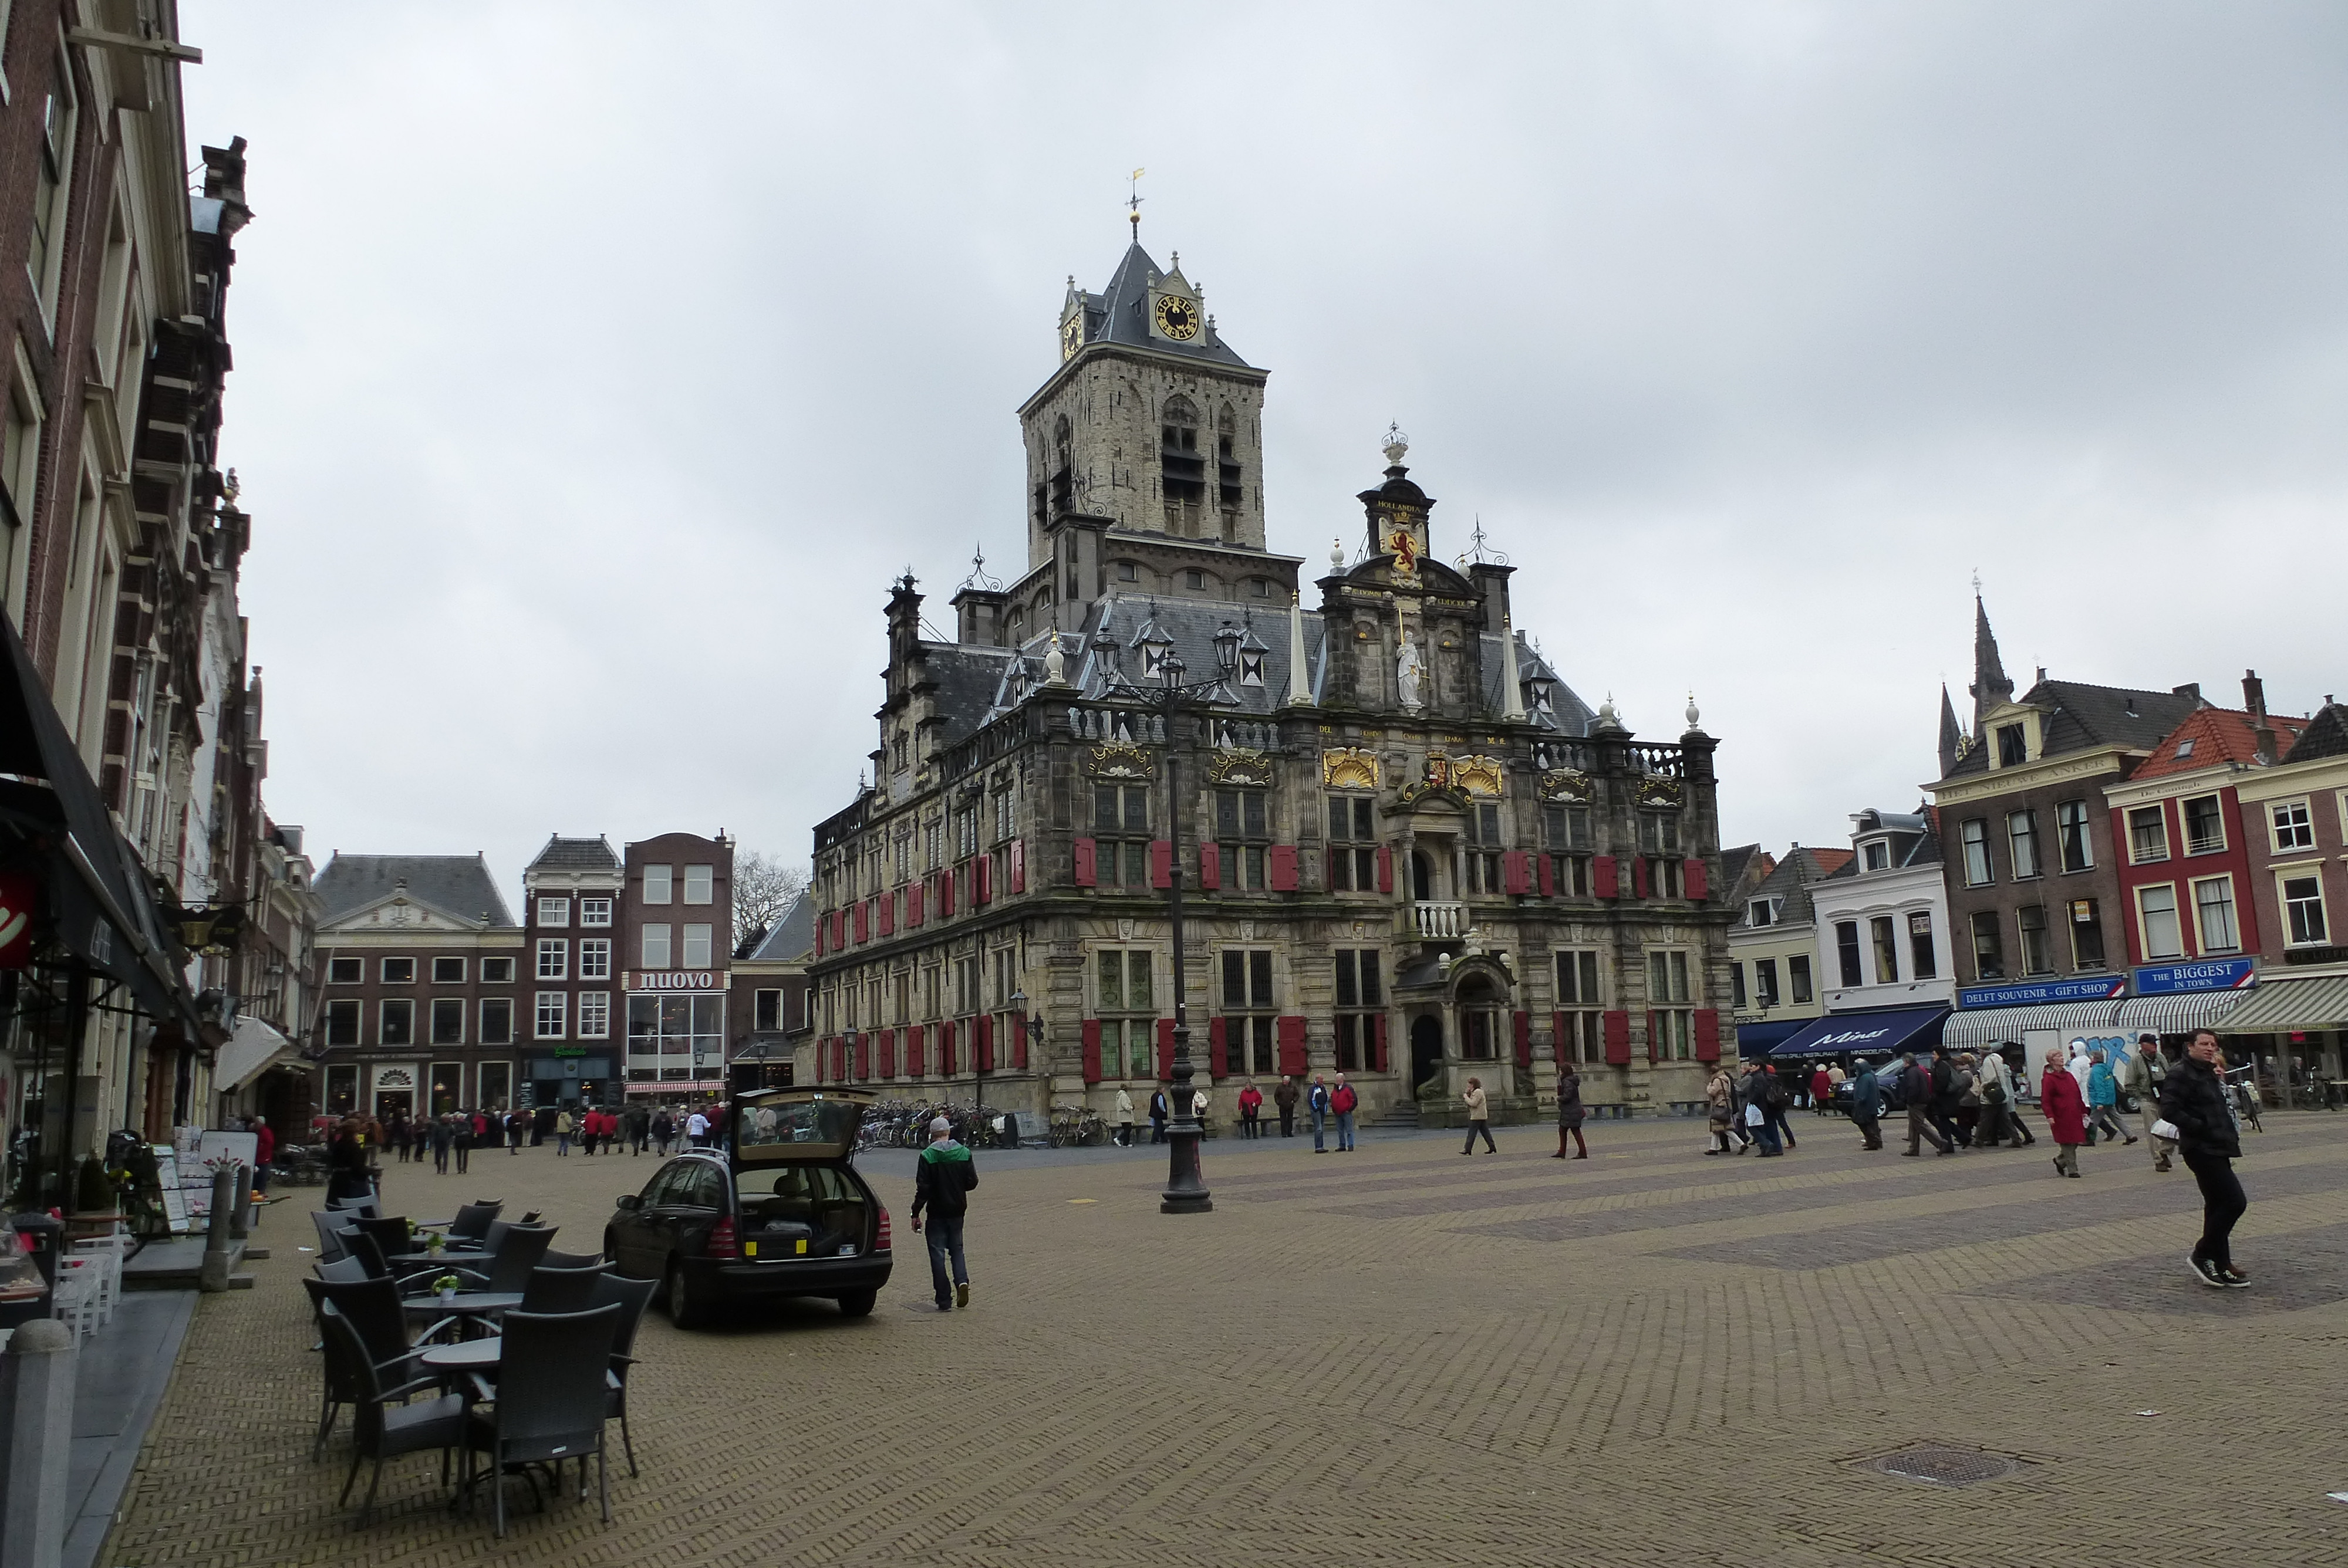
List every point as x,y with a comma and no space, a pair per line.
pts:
1650,1357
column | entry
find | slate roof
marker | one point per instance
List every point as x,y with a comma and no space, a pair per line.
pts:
2211,736
2082,717
967,677
2326,735
793,936
1121,313
459,886
563,853
1734,863
1797,869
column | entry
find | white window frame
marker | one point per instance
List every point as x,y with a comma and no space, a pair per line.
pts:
433,1023
481,1020
2138,854
554,909
488,979
552,1007
660,884
2021,828
2306,824
2185,823
595,910
357,976
2284,876
594,1015
2233,944
557,950
383,1019
595,958
659,932
456,958
701,880
692,939
1972,833
408,980
2144,922
2087,819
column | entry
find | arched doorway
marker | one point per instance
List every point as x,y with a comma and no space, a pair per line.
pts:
1426,1049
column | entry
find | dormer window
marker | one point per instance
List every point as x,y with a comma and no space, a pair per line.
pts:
1250,668
1877,854
1763,912
2012,745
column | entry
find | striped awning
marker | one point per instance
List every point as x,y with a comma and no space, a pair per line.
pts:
2315,1001
2178,1014
2003,1026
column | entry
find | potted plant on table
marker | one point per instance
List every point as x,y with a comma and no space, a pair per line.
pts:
445,1286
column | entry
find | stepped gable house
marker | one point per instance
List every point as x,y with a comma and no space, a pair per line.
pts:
1411,853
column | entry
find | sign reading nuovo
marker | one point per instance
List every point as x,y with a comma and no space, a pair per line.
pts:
674,980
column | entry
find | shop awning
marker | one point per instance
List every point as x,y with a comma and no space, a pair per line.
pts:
1891,1030
1759,1038
2003,1026
2178,1014
98,904
2314,1001
699,1086
252,1051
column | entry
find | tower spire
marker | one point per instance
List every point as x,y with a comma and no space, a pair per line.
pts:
1952,737
1990,687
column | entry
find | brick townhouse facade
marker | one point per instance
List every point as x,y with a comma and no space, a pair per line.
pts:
1412,853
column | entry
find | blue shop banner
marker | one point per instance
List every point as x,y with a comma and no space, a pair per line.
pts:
2037,993
2201,975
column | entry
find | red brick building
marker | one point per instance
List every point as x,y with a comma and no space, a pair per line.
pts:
677,936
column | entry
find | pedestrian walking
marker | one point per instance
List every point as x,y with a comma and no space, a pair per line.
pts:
2198,1112
1479,1117
943,1181
1777,1098
2103,1099
1251,1110
1996,1106
1316,1106
1941,1108
1969,1107
517,1125
1569,1112
1199,1106
1866,1105
639,1128
1283,1099
439,1136
1125,1117
1916,1095
2142,1073
696,1130
1752,1111
1821,1090
2065,1108
397,1134
460,1142
663,1131
562,1129
1343,1102
264,1149
1719,1099
1159,1112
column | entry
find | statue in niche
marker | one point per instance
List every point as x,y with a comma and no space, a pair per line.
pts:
1410,671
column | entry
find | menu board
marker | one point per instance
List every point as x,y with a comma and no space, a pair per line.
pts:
167,1177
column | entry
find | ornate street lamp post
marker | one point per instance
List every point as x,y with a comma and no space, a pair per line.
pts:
1186,1186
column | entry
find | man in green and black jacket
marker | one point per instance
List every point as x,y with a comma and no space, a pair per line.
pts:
943,1180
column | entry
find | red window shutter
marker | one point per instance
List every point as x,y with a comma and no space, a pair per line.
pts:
1217,1051
1618,1039
888,914
913,899
822,925
1707,1034
1557,1034
1284,867
945,894
946,1049
863,1056
1019,866
1548,864
1513,873
982,880
839,1062
1524,1039
1019,1041
1385,868
822,1053
1088,1053
1639,877
983,1048
1161,863
1696,878
887,1053
1084,848
1603,880
1290,1032
916,1059
864,921
1654,1034
1165,1050
1378,1041
1210,867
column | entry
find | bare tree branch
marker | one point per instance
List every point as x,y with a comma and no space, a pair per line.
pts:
764,888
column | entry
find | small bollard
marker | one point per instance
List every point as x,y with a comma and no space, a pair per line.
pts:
37,1396
239,1214
218,1247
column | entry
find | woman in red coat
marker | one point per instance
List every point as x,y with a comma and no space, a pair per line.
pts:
2066,1112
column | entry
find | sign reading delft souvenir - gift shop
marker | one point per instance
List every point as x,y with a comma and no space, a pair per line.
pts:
2199,975
2038,993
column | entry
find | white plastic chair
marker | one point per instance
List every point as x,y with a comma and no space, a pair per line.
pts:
74,1301
108,1252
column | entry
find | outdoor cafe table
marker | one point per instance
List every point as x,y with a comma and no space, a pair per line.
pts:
471,1356
470,1305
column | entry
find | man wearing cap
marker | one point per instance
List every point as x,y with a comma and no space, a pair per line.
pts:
2141,1074
942,1183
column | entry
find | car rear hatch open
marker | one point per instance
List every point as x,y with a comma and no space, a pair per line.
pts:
793,1193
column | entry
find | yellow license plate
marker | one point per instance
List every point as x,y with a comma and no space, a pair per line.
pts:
802,1248
749,1249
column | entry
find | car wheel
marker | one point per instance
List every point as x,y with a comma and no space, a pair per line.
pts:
685,1309
858,1303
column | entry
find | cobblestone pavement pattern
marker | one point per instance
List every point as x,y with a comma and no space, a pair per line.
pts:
1404,1356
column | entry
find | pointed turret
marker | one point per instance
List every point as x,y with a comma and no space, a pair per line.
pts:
1990,687
1952,739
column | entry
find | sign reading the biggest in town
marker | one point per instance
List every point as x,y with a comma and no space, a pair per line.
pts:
2201,975
2037,993
674,980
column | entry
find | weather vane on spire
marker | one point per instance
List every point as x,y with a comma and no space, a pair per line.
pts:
1134,199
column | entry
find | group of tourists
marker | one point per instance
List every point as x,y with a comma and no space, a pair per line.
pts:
637,1127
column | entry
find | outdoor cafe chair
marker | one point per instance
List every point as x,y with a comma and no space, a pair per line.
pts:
369,1206
571,1260
383,1424
559,1289
549,1401
632,1297
330,1225
386,1347
342,1270
391,1234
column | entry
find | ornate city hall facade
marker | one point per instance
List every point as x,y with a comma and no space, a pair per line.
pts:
1407,851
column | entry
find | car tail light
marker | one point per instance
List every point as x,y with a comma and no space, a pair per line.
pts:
722,1241
882,1244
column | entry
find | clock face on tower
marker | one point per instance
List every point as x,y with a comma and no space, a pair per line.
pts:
1072,337
1177,318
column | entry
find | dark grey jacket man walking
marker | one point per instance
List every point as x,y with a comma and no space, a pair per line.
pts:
2193,1101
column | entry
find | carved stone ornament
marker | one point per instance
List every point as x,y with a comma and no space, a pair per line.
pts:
1118,762
1571,785
393,1078
1349,767
1479,775
1240,766
1659,792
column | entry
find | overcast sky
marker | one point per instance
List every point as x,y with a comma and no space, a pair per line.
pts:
598,365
